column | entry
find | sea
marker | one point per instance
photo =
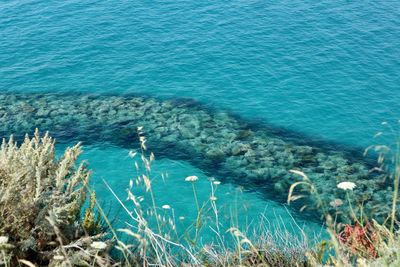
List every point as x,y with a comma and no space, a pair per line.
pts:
323,71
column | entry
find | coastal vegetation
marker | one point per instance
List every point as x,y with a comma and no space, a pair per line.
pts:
43,219
50,216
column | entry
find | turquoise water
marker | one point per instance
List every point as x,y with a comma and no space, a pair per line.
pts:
326,70
236,207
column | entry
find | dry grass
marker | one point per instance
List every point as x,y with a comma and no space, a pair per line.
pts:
154,238
363,241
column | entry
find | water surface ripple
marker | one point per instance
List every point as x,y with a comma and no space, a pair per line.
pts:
325,72
329,69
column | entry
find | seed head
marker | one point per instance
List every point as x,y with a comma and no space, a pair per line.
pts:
98,245
3,239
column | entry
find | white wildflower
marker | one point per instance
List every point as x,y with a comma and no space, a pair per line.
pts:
166,207
3,239
192,178
98,245
336,203
346,185
213,198
217,182
181,218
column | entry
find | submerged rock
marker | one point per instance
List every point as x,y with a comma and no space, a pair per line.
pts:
216,142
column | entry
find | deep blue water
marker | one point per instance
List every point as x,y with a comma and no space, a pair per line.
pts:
329,70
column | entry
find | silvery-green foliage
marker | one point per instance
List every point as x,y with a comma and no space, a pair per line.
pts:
32,182
41,200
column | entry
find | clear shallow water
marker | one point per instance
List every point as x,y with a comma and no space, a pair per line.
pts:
236,206
328,70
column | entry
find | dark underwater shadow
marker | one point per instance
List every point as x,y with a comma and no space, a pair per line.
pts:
96,133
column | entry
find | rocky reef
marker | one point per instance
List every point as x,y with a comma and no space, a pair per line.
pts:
217,142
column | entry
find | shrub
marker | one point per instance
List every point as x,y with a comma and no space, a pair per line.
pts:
41,202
